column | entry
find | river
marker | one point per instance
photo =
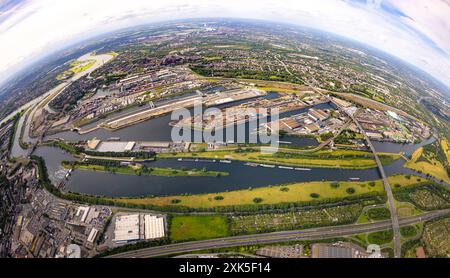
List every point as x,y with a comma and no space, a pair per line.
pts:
35,104
241,177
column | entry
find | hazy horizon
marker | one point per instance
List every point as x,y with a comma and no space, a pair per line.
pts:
420,37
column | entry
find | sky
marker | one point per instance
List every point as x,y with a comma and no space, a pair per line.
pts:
417,31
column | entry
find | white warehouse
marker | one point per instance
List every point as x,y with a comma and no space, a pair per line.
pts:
154,226
133,227
126,228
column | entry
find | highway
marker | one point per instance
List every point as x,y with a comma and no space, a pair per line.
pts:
40,103
276,237
390,195
387,187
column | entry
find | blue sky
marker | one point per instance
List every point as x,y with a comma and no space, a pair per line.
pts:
416,31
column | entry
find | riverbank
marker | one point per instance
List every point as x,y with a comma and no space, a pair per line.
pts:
446,149
11,144
139,170
22,143
289,193
336,159
296,189
341,159
427,163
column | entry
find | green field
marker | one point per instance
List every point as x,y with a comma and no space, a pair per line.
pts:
344,159
379,213
436,237
82,66
433,236
408,231
163,172
198,227
426,163
424,197
446,149
296,192
302,219
380,238
76,67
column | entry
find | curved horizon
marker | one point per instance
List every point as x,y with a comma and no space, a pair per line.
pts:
419,38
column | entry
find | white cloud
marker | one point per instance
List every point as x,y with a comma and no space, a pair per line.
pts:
41,26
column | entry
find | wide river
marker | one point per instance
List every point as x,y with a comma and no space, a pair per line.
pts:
241,176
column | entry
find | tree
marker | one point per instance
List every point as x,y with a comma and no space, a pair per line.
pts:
145,168
257,200
335,184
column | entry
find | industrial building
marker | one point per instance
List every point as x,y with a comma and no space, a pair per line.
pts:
232,96
328,251
82,213
110,146
318,114
93,144
154,226
127,228
291,123
341,250
92,235
155,144
133,227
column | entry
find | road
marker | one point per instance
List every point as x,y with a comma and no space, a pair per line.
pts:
40,103
388,189
295,235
